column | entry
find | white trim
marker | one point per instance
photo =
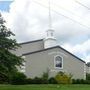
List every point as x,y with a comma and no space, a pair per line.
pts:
55,63
84,71
57,52
58,70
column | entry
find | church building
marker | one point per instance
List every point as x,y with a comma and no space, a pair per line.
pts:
44,54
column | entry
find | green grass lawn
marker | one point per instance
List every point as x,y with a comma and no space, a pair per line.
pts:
44,87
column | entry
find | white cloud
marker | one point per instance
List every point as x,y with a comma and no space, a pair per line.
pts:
87,58
82,49
6,0
28,19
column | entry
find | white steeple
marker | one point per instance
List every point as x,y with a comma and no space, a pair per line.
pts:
50,40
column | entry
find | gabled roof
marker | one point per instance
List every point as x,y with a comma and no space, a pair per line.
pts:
31,41
53,48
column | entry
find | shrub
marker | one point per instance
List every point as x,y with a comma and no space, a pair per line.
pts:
37,80
45,77
18,78
87,81
87,76
80,81
3,79
29,81
77,81
63,78
52,80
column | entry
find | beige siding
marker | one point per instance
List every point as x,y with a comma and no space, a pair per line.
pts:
29,47
37,63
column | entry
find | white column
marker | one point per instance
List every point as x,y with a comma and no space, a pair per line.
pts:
24,65
84,71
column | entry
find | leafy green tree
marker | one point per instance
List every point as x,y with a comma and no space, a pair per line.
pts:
8,61
18,78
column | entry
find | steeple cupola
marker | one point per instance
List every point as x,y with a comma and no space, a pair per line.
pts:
49,40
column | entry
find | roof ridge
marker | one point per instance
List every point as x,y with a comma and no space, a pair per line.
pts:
30,41
52,48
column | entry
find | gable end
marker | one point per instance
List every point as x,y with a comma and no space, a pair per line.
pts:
52,48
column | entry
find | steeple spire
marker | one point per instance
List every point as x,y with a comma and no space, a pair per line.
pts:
49,41
50,18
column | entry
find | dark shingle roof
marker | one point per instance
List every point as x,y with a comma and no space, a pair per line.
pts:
53,48
30,41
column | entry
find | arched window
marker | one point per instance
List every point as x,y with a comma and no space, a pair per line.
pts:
58,62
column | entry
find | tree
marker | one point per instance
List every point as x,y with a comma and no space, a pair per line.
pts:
18,78
88,64
8,61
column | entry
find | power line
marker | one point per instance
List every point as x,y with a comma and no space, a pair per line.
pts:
66,10
62,14
82,4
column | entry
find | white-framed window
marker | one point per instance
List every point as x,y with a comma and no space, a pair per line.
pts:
58,62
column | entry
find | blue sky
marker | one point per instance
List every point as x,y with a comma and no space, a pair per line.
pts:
4,5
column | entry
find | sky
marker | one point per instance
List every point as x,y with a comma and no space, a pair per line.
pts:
29,20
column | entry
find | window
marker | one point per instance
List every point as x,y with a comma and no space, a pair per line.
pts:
51,33
58,62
